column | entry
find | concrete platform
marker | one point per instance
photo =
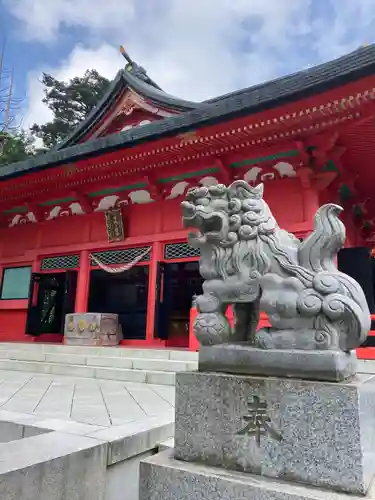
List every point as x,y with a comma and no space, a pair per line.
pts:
88,434
151,366
69,403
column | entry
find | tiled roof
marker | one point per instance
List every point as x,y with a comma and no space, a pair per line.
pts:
291,88
123,80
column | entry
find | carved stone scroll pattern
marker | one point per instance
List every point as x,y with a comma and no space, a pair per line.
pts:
247,260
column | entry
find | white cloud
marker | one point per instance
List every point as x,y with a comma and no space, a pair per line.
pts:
195,49
37,111
44,19
105,60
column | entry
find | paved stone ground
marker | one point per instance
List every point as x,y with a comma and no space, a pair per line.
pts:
102,403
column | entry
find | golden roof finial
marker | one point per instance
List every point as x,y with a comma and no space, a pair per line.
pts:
125,54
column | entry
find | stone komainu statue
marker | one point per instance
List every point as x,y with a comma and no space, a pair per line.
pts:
248,261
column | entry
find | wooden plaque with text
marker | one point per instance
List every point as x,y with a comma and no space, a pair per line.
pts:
115,225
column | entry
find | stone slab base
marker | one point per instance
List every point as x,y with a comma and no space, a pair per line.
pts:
318,433
333,366
95,329
164,478
95,342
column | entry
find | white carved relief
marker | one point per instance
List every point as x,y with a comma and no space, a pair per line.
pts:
177,190
21,219
140,197
15,220
31,217
106,203
76,209
65,212
128,127
59,211
285,169
269,176
54,212
252,174
260,174
208,181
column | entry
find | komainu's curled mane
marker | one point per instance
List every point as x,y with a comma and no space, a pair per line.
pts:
248,261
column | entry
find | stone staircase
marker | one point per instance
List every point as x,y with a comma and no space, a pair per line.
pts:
150,366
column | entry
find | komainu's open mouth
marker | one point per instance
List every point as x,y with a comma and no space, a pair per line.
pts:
208,225
188,211
211,223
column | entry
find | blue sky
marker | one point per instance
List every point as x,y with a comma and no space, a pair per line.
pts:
193,48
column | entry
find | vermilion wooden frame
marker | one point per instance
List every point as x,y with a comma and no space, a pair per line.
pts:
14,304
158,240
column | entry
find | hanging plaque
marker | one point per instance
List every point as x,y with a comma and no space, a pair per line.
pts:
115,225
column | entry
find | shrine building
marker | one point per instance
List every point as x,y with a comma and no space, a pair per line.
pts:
108,196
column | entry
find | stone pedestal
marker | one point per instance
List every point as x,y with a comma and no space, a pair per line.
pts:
335,366
96,329
164,478
236,435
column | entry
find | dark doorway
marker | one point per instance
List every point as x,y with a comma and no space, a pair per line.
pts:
124,294
178,283
51,298
358,263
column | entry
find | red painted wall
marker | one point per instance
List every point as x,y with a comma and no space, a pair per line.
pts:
12,325
285,199
26,244
17,241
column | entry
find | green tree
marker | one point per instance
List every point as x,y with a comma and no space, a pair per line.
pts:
70,103
15,144
15,147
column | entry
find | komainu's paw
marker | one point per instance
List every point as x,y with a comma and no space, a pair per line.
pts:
212,328
264,340
207,303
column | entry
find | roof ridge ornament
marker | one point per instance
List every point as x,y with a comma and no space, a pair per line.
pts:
138,71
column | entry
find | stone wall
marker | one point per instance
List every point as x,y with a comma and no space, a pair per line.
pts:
66,461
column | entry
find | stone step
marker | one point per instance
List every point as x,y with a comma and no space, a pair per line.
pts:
164,365
366,366
122,352
166,445
147,376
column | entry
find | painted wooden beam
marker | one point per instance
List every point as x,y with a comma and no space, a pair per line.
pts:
84,201
225,172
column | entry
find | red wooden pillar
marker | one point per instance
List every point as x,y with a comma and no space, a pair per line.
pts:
193,342
1,276
35,266
310,194
310,204
83,283
152,292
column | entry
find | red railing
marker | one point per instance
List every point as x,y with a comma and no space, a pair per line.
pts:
362,352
